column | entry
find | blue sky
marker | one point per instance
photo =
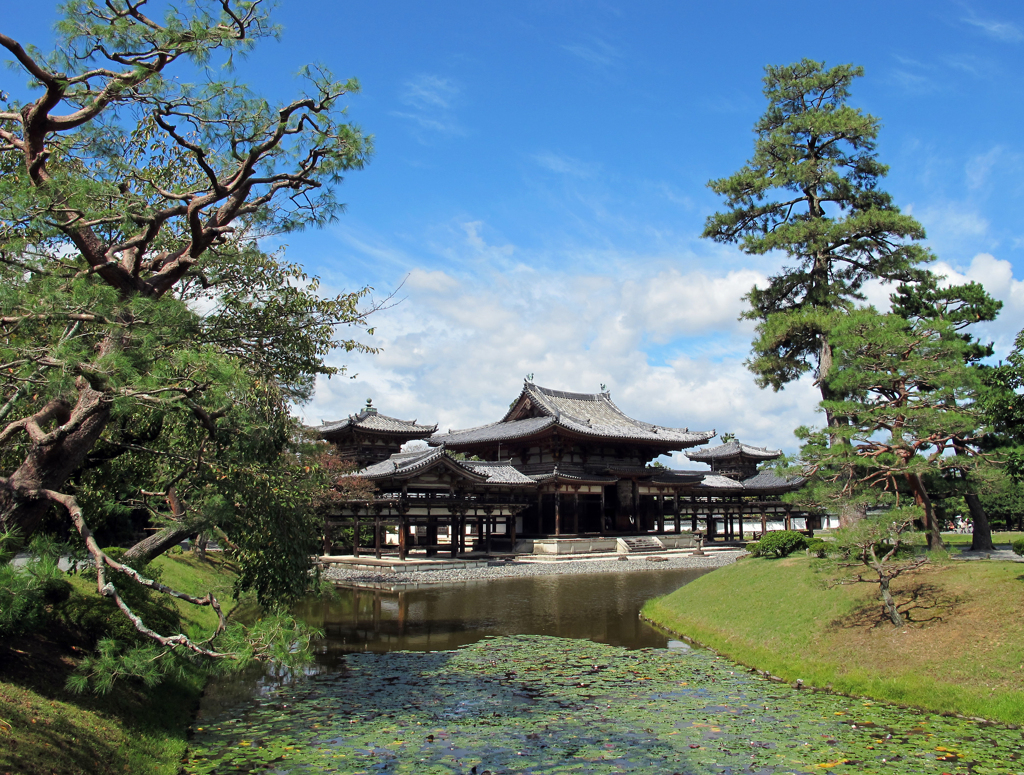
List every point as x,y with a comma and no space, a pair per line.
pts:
539,184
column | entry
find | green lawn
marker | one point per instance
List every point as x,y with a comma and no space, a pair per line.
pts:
961,651
1002,540
45,729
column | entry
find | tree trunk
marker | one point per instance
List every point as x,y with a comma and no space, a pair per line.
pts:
890,604
155,545
933,533
981,532
158,543
51,457
851,513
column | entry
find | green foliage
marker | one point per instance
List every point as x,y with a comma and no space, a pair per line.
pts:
1018,546
812,190
635,727
279,638
781,543
140,310
817,547
907,396
754,548
28,592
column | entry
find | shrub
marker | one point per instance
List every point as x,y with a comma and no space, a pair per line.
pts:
754,548
1018,546
28,593
781,543
817,547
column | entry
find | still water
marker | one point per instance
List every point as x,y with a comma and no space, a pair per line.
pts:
601,607
552,675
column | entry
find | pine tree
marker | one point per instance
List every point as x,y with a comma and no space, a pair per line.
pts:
811,190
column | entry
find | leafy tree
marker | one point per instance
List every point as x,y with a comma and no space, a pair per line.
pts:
811,190
142,320
959,306
1004,403
909,399
884,545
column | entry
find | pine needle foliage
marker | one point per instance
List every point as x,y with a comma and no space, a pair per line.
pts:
812,191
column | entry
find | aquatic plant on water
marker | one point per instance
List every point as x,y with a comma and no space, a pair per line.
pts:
534,704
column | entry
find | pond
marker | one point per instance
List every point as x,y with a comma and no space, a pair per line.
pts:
556,674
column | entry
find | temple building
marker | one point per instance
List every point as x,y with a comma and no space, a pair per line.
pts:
558,465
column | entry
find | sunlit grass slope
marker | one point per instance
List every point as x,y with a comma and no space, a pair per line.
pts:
46,729
961,651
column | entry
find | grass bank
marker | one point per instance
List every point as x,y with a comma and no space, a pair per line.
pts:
46,729
961,651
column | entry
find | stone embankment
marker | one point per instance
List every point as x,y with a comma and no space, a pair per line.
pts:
517,568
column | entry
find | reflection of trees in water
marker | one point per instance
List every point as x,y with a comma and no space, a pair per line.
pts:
602,607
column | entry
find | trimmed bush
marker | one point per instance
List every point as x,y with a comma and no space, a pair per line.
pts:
781,543
754,548
817,547
1018,546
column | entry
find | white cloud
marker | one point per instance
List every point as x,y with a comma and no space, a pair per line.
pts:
980,167
1000,30
456,351
671,304
432,99
566,165
596,51
430,91
996,276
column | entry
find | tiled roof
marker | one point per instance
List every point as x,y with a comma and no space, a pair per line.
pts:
498,431
588,414
716,482
498,473
573,475
764,482
668,476
370,420
406,464
769,481
734,449
402,464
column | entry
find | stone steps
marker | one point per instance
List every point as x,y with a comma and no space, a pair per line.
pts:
637,544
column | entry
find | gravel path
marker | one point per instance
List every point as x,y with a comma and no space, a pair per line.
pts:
339,574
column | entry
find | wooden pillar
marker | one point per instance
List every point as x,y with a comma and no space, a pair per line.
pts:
403,534
661,511
693,513
741,522
764,522
789,518
540,513
328,548
675,512
576,511
510,528
431,532
558,512
376,533
355,534
601,520
635,504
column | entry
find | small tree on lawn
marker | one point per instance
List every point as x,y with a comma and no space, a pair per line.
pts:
880,544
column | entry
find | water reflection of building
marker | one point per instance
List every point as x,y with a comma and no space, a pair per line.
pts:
557,465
